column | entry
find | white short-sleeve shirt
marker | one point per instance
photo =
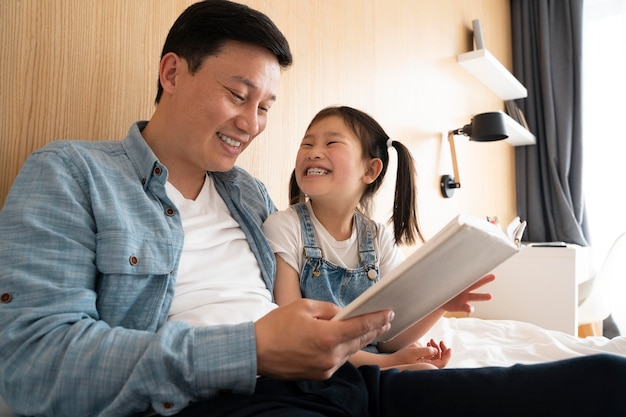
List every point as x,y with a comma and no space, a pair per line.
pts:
283,230
219,280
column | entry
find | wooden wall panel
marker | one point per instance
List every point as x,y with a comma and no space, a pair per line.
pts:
87,70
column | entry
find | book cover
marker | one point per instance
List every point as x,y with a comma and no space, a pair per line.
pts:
462,252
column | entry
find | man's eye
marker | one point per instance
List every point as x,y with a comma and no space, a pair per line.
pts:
237,96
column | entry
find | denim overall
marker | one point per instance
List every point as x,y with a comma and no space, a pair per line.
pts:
322,280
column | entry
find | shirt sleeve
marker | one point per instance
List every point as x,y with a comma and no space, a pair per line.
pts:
390,254
282,230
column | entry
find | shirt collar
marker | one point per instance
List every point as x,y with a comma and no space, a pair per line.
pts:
146,164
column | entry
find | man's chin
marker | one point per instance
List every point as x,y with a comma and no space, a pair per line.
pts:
222,167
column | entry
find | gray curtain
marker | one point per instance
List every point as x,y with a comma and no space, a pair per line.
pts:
547,51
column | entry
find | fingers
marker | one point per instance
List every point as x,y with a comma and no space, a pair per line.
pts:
320,309
479,296
426,352
363,328
483,281
367,327
441,349
298,340
461,303
359,331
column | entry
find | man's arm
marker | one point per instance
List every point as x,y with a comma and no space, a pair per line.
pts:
59,356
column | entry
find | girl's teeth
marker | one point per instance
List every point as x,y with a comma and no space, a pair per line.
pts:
316,171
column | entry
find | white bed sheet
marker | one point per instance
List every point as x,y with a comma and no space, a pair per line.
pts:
477,342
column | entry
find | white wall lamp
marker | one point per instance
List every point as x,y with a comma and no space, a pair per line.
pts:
484,127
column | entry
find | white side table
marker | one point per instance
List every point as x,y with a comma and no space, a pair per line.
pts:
538,285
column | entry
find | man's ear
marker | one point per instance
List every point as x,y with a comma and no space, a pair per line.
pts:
170,67
374,167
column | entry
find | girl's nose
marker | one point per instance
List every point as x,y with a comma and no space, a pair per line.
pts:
314,154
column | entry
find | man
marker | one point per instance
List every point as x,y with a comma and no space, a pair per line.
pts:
127,268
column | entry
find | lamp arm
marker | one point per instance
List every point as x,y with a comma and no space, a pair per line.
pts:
457,178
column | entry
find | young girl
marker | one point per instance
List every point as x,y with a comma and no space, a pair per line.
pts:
326,246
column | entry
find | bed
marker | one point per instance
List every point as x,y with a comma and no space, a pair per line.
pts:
477,343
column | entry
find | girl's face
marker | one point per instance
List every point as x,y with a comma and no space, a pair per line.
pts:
330,164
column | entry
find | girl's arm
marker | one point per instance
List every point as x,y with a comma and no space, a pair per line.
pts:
287,284
362,357
413,333
413,356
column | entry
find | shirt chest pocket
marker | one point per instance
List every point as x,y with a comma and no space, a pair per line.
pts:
123,253
135,274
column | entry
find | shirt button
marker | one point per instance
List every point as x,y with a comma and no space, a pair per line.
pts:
169,212
157,171
133,260
6,298
167,405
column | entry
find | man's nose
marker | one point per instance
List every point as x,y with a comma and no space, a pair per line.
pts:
248,121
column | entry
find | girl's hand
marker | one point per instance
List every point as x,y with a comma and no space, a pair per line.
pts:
461,303
436,355
441,358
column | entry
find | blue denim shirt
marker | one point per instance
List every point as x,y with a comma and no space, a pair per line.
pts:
89,251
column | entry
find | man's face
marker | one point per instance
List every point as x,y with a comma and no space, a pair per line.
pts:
221,108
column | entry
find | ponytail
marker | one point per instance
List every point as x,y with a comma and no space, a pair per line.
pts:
406,229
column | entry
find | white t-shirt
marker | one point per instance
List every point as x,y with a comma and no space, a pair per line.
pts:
283,231
219,280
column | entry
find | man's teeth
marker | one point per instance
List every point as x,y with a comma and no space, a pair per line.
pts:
228,140
316,171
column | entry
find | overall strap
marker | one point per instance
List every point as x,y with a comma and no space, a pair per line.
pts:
367,254
311,250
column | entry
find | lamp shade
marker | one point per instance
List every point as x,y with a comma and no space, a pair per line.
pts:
486,127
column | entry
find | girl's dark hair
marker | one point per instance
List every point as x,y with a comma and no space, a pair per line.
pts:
204,27
374,142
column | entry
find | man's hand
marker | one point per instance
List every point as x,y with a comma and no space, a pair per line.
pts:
298,340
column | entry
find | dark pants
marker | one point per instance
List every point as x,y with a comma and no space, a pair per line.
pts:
585,386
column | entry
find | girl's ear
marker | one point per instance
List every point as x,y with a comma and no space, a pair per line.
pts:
374,167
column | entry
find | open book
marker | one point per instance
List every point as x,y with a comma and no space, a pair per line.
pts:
460,254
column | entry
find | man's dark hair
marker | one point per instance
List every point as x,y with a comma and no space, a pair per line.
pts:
204,27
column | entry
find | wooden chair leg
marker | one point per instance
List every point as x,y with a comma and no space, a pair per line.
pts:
590,329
